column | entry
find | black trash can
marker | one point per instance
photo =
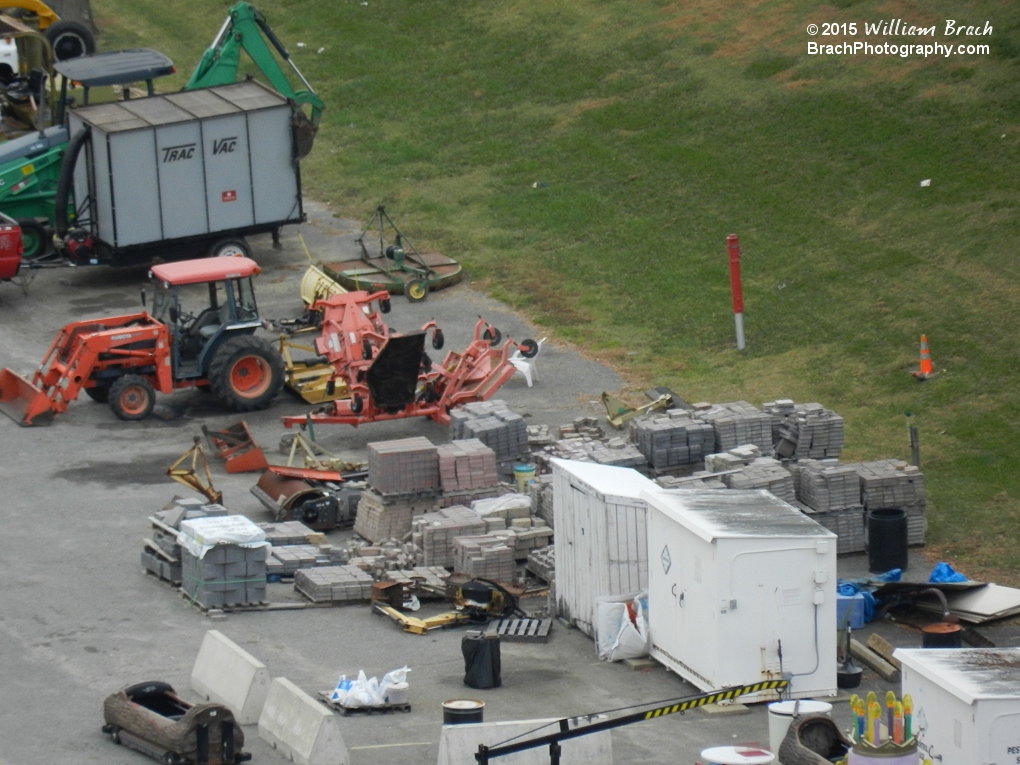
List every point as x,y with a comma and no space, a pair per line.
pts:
887,540
481,661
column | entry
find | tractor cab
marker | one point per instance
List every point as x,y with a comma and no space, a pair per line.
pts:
203,303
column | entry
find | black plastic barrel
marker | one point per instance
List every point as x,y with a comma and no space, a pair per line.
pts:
460,711
482,665
887,540
942,635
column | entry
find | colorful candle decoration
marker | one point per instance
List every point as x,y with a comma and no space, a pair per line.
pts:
875,722
890,701
908,715
898,723
860,713
870,699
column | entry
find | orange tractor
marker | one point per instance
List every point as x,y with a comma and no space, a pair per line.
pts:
389,375
200,334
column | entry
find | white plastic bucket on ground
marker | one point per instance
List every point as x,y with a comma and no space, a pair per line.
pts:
781,715
397,694
524,474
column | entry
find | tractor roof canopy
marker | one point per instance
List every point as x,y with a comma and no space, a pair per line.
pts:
204,270
118,67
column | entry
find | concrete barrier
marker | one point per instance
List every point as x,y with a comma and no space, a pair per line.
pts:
227,674
300,728
458,744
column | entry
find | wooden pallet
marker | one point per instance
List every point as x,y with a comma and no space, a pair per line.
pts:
521,630
324,696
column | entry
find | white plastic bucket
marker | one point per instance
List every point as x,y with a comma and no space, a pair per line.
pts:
397,693
781,715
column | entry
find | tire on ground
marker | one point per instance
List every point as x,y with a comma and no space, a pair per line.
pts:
132,397
246,373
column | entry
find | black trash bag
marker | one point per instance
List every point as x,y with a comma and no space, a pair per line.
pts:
481,662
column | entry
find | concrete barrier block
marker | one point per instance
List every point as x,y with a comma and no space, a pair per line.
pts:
227,674
459,743
300,728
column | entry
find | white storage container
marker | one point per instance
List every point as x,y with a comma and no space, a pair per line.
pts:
735,579
601,537
966,703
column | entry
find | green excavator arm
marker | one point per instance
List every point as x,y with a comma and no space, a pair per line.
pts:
246,29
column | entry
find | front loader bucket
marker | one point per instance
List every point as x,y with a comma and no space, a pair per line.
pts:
23,402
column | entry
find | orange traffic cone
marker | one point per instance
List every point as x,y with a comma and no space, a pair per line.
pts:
926,369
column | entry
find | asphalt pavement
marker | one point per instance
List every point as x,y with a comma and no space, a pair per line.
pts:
79,618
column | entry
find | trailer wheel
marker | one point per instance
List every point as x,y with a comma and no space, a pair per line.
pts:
230,248
69,39
33,238
100,394
417,290
132,397
246,373
493,335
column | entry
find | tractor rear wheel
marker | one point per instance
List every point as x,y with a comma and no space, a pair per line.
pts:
246,373
132,397
100,394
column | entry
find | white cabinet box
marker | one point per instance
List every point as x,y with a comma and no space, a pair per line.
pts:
601,536
966,703
742,588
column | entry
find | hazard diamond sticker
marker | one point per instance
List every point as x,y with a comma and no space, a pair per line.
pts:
666,560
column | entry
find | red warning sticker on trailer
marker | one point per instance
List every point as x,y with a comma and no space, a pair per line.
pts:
229,196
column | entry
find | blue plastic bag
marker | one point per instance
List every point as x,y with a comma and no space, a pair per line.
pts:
943,572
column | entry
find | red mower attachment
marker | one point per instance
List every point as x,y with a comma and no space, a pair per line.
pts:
390,376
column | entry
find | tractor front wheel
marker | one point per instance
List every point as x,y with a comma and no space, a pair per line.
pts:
100,394
246,373
132,397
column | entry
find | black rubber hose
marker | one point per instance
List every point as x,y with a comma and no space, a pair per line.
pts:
66,178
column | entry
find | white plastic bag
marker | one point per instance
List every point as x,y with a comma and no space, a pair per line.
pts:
366,692
618,636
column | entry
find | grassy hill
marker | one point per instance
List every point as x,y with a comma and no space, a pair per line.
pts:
586,159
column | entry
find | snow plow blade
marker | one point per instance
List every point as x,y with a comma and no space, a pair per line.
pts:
22,401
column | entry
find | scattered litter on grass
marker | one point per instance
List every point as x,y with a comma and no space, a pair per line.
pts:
926,182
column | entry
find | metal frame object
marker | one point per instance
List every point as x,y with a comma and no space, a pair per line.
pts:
191,477
662,709
237,448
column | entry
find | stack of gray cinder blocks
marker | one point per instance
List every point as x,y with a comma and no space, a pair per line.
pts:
485,556
895,484
736,423
763,473
673,439
227,575
494,424
542,563
403,466
288,559
391,517
434,533
613,451
831,495
287,533
334,584
805,431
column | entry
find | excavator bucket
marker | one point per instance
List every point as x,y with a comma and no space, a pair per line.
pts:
22,401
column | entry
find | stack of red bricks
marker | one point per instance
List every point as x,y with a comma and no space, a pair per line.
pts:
467,471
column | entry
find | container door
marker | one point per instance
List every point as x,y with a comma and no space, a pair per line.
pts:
273,167
227,173
1004,734
136,214
771,603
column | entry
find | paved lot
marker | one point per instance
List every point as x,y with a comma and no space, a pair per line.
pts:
79,619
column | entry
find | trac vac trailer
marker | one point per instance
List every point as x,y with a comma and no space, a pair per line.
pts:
179,175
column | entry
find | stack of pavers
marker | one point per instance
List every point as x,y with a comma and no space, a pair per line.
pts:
161,554
489,557
542,563
541,492
735,424
672,441
831,494
403,476
805,431
334,584
423,581
467,471
287,533
286,560
611,451
895,484
763,473
223,561
509,518
434,533
497,426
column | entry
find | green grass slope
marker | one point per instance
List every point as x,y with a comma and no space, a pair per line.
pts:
585,159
